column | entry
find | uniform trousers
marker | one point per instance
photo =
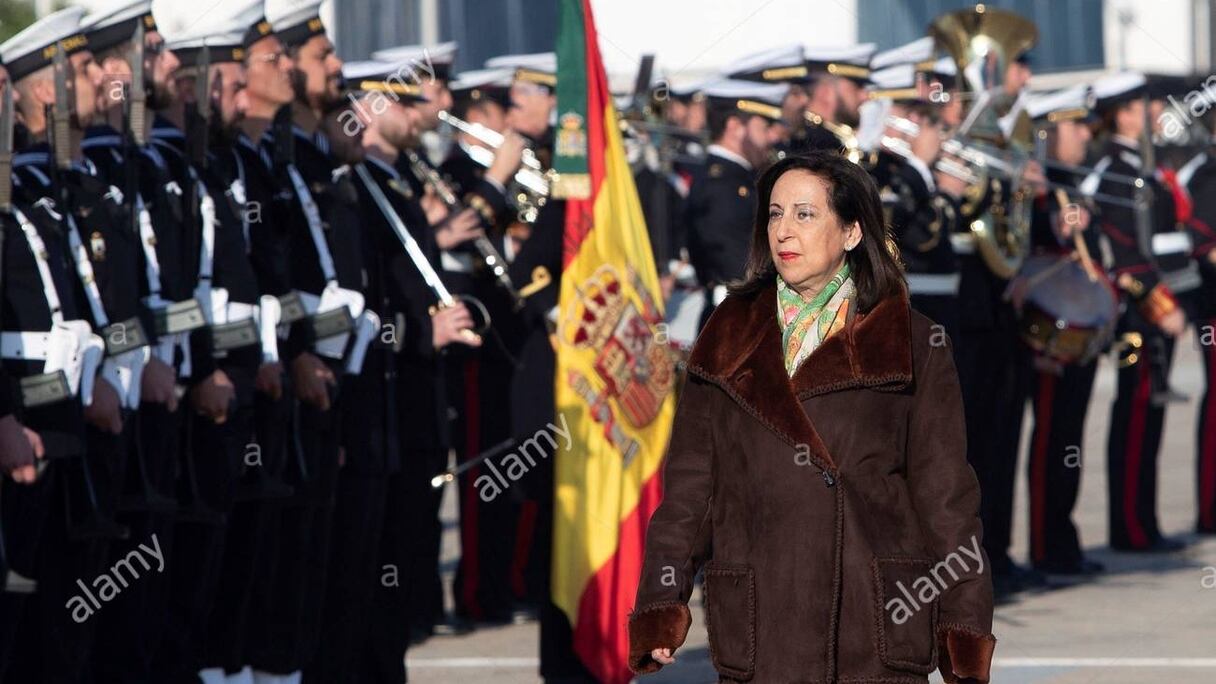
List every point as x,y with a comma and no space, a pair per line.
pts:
1060,398
1205,331
994,374
289,614
1136,421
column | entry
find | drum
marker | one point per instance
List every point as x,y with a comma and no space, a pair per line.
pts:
1063,312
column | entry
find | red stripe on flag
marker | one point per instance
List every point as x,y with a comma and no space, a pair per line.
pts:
601,637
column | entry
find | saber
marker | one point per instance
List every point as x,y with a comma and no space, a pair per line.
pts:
451,473
413,251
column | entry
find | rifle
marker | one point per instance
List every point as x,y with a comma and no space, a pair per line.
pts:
93,523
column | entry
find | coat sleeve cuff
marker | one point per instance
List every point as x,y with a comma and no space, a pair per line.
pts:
965,654
658,625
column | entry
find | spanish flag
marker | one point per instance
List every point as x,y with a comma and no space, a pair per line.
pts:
614,369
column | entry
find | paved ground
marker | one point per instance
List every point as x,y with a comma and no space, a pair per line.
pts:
1149,619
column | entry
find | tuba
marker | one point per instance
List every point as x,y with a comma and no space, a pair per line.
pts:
983,41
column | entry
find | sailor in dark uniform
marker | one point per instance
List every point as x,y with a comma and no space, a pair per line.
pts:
54,643
264,520
155,199
921,202
1061,390
381,630
213,577
1198,176
327,273
722,199
1153,312
40,414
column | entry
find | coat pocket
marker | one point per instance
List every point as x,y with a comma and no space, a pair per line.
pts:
906,593
730,618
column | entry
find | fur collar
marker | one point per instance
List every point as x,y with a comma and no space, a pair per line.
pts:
740,351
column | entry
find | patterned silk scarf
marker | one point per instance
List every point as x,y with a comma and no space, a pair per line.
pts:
805,325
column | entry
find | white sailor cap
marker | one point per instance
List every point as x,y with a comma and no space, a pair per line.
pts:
438,57
688,91
221,47
748,97
36,46
246,16
850,61
1114,89
785,64
1071,104
295,21
897,83
482,84
539,68
917,52
373,75
115,23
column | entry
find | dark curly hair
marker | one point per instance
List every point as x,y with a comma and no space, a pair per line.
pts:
852,196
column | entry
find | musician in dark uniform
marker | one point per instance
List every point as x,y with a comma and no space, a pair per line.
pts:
479,380
1153,313
721,198
1198,176
399,287
839,79
74,508
37,428
1062,228
921,202
993,364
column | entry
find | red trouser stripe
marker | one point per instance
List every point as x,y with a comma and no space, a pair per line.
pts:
1038,466
468,513
1207,447
1135,451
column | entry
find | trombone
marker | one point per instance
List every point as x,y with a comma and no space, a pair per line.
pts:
532,179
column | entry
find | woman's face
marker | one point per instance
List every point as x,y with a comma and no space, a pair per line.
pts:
805,237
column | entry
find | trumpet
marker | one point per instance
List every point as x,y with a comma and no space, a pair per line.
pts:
977,164
532,179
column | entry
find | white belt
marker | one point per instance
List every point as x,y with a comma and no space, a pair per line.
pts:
963,243
240,311
32,346
933,283
1171,243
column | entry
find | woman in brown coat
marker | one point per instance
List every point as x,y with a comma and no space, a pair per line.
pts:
818,458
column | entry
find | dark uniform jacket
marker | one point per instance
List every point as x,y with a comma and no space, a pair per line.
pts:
719,214
1134,269
396,281
921,218
1200,181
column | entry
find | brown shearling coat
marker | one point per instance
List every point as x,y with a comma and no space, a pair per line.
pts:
837,507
